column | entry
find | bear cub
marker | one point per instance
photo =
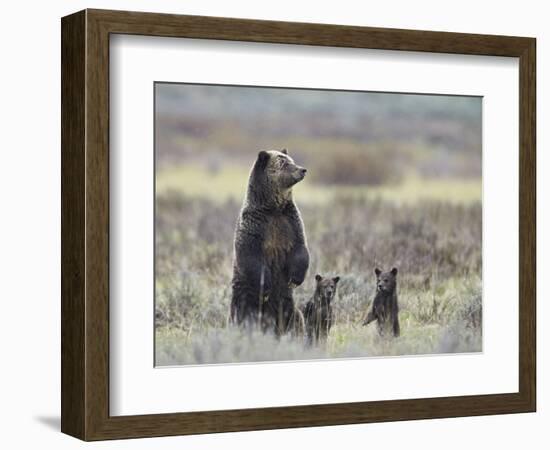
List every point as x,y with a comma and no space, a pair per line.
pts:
385,309
318,314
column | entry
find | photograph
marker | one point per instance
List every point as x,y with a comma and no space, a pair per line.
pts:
296,224
276,222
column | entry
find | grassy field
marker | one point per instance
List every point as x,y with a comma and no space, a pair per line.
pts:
230,183
429,228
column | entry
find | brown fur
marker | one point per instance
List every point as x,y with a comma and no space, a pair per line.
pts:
279,238
271,255
318,313
385,309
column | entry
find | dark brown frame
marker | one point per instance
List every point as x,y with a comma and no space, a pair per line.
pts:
85,224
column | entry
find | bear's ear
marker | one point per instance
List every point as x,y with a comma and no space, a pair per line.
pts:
377,271
285,151
263,158
336,280
318,277
394,271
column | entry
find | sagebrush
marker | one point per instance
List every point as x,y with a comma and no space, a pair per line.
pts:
436,245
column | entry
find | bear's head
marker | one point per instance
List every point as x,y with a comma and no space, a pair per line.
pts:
279,169
386,281
325,288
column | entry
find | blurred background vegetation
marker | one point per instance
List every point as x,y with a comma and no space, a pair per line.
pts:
393,180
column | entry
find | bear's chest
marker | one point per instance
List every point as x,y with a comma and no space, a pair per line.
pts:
278,239
321,310
382,303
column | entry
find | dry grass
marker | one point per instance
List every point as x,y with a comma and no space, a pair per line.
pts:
221,184
437,247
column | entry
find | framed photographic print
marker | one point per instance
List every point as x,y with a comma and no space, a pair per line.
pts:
271,224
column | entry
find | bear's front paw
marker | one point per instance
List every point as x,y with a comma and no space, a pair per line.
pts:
298,265
292,284
296,280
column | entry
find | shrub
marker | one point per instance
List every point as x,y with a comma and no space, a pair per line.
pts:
357,166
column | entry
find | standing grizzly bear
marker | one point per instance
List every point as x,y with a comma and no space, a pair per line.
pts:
385,309
271,255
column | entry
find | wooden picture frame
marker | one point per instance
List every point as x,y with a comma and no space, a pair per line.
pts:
85,224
